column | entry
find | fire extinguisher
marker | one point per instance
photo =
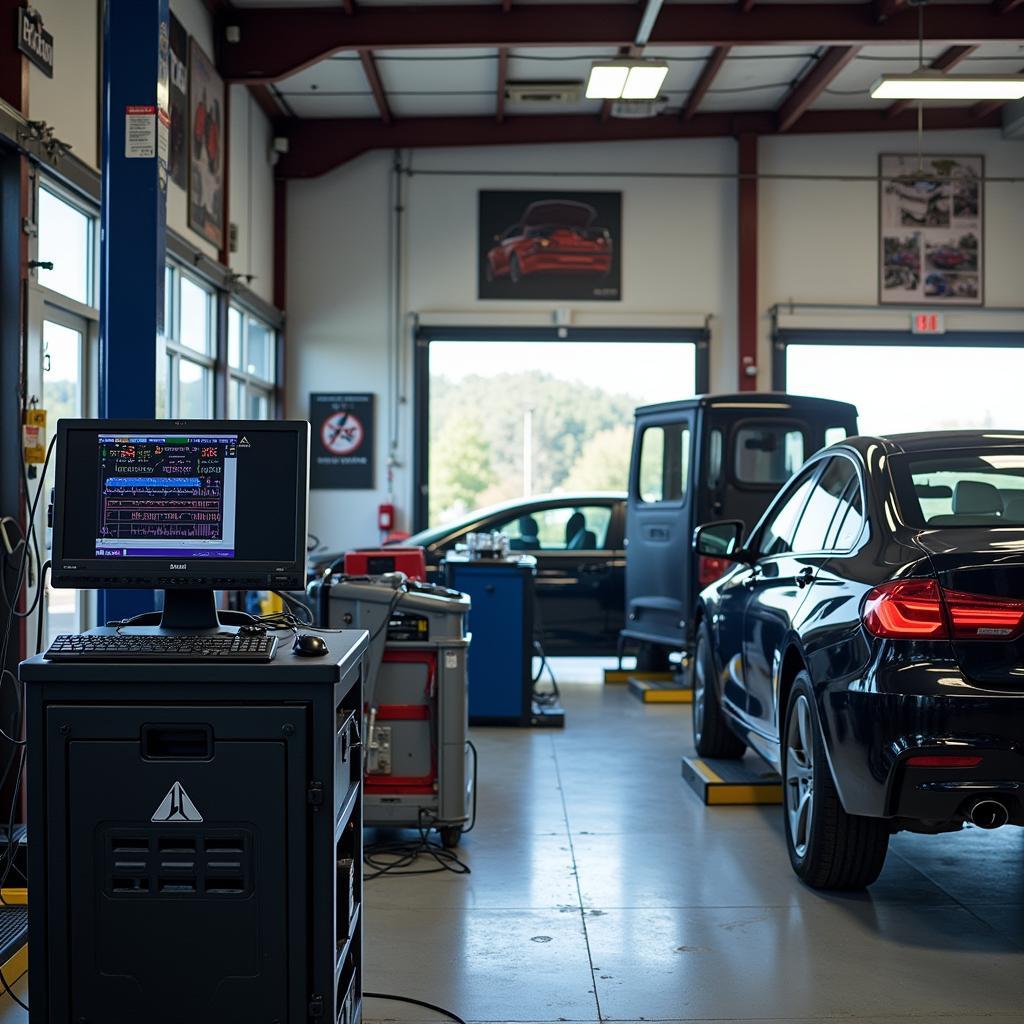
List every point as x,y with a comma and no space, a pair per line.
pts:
385,517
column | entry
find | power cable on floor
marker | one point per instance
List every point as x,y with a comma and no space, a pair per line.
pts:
399,858
415,1002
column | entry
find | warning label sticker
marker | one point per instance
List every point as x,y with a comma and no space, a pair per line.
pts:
140,132
177,806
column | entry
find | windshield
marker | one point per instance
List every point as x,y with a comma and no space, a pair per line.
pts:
981,487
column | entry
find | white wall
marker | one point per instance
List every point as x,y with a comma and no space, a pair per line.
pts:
678,245
817,243
70,103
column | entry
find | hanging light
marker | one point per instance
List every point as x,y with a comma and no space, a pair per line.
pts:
934,85
626,80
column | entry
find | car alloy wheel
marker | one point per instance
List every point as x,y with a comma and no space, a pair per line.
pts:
799,792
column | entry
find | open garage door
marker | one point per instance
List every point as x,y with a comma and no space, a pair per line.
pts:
505,413
902,382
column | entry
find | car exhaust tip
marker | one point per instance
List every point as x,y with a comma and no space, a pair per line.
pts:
988,814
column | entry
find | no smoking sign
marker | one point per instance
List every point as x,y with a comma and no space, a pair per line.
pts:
342,433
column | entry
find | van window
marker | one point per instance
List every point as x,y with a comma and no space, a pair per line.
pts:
768,453
664,463
833,435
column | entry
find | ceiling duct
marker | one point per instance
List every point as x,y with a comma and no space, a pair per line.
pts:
549,94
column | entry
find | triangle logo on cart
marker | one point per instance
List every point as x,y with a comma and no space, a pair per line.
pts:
177,806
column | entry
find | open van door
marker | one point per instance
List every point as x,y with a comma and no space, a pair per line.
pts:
658,528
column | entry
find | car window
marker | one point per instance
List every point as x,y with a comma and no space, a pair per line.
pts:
823,505
664,473
767,453
849,519
776,535
566,528
983,487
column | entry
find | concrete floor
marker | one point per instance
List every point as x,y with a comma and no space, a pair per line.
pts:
603,890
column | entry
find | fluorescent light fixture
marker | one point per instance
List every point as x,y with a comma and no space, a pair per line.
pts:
626,79
933,85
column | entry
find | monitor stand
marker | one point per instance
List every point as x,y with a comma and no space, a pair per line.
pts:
189,610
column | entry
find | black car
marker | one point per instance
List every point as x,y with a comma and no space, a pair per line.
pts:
581,564
869,643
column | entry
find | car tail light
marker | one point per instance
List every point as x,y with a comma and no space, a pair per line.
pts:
710,569
943,761
973,617
906,609
922,610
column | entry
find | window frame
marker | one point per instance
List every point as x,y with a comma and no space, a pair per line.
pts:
176,352
251,383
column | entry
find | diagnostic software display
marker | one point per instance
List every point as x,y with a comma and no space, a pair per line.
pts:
222,501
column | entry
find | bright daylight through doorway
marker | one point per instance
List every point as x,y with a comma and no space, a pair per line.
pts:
907,388
513,419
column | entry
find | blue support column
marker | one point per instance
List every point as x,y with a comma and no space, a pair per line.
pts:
133,218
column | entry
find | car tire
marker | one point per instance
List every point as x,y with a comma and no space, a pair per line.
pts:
712,736
828,848
515,272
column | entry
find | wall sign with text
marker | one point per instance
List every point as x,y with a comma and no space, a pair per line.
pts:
34,41
342,450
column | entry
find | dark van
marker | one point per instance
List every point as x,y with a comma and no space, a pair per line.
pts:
694,461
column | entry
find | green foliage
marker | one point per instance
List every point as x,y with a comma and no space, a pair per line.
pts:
567,419
603,464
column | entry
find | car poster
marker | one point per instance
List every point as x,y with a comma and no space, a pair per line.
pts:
206,147
561,246
176,163
932,223
342,429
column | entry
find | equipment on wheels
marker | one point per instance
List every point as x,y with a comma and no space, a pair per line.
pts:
417,757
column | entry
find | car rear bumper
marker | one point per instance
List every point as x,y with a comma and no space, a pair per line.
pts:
873,735
566,262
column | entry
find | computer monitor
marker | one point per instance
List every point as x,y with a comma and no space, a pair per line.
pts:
189,506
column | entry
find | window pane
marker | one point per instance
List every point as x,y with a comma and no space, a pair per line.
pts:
851,522
260,355
194,316
65,240
768,454
823,506
234,338
664,463
833,435
569,528
259,405
169,303
776,535
716,445
236,399
193,390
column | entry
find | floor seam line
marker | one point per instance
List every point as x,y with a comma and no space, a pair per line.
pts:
576,876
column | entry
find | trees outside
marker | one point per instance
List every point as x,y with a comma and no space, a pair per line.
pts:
581,438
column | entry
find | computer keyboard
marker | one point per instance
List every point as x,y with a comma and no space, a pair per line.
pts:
189,647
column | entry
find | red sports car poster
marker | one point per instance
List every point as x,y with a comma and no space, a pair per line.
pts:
560,246
206,148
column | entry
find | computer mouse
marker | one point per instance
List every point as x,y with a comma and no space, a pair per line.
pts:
309,645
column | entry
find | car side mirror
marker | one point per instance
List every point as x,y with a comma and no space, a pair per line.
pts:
723,539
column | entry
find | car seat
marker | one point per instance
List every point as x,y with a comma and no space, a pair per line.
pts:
577,536
529,535
974,504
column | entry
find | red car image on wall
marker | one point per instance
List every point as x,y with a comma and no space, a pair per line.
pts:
550,245
553,237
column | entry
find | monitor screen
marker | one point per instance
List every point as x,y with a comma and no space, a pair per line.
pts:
181,503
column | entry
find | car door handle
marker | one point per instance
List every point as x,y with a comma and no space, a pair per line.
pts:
751,580
805,577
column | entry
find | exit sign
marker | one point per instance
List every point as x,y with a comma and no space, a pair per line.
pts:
928,323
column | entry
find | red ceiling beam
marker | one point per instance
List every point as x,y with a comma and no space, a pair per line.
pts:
944,62
707,76
886,9
318,146
376,87
265,101
1004,6
813,84
275,42
502,80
